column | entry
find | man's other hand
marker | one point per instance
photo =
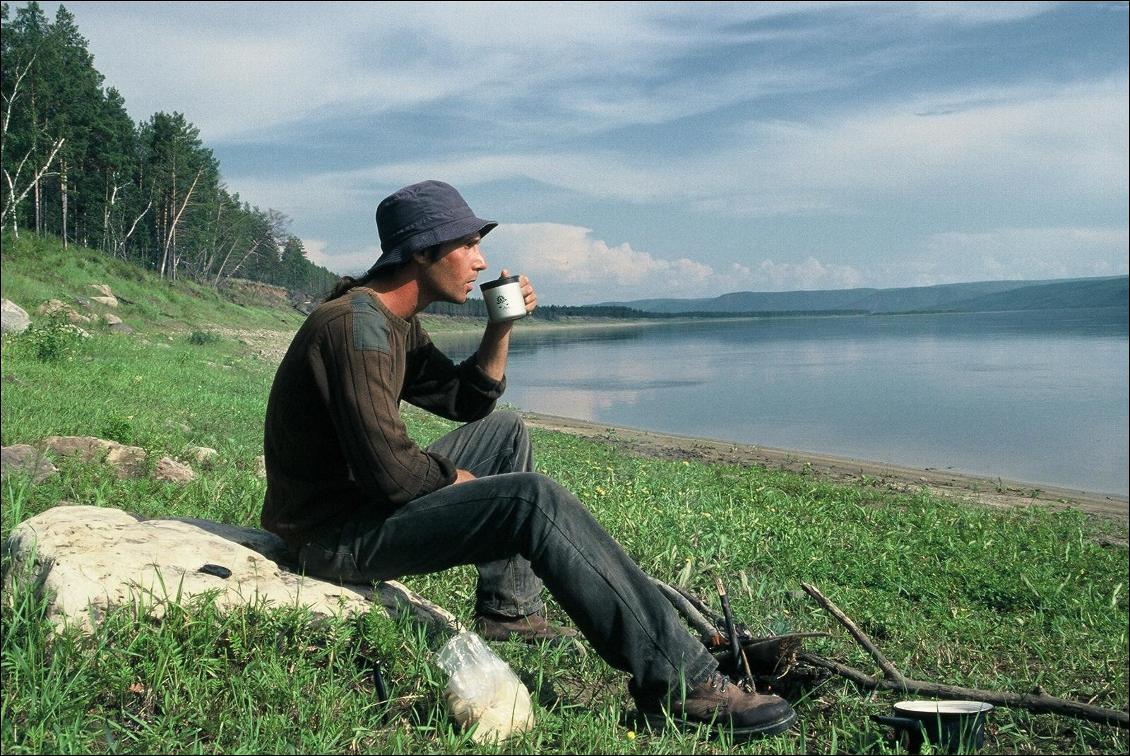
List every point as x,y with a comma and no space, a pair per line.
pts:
462,476
529,296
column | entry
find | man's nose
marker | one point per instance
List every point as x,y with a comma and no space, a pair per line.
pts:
480,262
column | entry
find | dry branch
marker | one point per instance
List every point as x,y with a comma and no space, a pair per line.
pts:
1037,701
703,626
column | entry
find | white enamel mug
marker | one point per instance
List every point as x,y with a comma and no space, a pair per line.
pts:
503,297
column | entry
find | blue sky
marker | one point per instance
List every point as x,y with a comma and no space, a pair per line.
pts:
665,149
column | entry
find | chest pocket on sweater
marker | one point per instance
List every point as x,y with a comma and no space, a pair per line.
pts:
370,327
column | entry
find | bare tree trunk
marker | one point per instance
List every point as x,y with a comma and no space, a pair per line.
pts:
108,242
38,209
63,191
170,242
14,199
219,278
125,239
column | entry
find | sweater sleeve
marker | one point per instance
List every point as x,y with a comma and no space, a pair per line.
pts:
434,383
362,383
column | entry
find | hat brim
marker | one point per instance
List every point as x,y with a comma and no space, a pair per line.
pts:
448,232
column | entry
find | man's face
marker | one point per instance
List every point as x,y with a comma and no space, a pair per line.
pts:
451,278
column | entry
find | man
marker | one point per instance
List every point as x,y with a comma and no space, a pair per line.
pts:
357,500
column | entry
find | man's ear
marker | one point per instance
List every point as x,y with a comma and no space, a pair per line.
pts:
422,257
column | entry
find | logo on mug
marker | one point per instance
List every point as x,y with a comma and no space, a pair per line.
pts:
500,301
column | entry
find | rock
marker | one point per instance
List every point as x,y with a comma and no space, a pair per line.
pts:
127,461
122,328
88,559
103,295
22,459
171,471
261,466
205,456
14,319
111,319
54,307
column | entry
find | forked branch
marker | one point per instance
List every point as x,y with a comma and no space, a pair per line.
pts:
1037,701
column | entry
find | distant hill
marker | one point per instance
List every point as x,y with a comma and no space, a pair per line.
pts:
1094,292
979,296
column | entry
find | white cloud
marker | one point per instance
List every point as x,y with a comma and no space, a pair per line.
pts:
351,262
569,266
997,157
1015,253
238,70
808,274
976,13
977,145
992,145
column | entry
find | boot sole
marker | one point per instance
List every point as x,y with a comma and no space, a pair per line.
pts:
659,721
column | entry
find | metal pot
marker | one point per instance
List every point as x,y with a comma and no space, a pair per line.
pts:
949,725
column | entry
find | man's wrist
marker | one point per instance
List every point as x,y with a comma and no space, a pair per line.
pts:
499,330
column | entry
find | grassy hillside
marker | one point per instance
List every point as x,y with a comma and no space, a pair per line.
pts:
957,594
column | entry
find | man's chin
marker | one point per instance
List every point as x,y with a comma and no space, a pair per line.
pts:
456,299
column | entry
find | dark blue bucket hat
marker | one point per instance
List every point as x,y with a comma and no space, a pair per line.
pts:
420,216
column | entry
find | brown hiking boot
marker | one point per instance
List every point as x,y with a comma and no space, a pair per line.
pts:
532,629
722,704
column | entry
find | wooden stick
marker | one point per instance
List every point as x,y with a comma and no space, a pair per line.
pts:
1036,702
701,605
690,613
892,679
740,662
861,637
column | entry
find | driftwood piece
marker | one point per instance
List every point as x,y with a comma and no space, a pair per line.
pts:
1037,701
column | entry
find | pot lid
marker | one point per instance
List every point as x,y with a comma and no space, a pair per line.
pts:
942,707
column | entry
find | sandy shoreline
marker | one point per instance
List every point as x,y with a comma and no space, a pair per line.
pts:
978,489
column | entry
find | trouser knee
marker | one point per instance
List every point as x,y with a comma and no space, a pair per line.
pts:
508,422
542,501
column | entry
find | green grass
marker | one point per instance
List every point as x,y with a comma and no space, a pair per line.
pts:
958,594
37,270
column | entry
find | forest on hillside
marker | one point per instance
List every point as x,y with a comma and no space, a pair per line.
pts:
77,167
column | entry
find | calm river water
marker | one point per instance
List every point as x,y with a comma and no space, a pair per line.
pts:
1038,396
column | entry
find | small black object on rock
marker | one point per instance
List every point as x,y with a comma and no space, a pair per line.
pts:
215,569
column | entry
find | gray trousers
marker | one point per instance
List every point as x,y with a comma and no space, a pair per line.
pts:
520,529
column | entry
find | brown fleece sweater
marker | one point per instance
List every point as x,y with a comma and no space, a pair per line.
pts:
334,441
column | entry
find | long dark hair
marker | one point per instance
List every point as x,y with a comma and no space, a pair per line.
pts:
433,253
345,283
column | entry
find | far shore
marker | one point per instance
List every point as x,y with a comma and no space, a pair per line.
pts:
439,325
995,492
